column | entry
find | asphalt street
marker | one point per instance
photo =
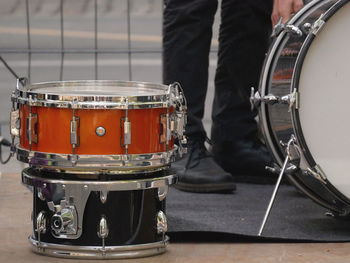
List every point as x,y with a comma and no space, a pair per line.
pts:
79,28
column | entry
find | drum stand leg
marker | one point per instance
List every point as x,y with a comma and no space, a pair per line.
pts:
272,200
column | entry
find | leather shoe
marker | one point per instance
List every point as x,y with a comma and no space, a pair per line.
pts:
245,160
198,172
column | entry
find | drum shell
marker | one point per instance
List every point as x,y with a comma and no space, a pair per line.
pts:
131,217
53,130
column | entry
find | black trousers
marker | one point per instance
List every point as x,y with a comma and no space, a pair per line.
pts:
243,41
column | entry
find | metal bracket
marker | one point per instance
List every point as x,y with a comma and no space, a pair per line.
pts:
290,29
125,138
290,99
32,135
317,25
14,123
74,131
317,173
65,220
163,128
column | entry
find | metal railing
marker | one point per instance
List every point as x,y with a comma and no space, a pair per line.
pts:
63,50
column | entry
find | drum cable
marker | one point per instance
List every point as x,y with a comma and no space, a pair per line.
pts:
4,142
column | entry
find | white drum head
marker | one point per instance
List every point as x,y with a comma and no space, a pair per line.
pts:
324,110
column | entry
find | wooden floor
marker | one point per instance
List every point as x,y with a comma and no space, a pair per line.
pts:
15,227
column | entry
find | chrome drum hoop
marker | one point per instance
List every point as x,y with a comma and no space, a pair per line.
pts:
124,163
98,252
115,185
162,96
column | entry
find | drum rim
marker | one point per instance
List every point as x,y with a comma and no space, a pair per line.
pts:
31,95
112,185
112,164
265,124
298,131
99,252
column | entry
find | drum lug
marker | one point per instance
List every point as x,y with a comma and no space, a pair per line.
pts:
290,29
15,124
162,225
74,137
162,192
32,122
163,120
103,196
40,226
103,232
256,99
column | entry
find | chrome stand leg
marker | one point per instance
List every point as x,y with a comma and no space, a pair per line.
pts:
274,195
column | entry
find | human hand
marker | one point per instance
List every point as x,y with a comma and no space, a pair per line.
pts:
284,9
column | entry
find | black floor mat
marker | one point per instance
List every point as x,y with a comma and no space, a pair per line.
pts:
293,216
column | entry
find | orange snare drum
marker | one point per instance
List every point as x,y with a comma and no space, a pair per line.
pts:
100,126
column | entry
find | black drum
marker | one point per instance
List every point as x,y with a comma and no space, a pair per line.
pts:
304,103
101,218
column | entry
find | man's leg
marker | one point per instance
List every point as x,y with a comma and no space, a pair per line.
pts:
187,33
243,41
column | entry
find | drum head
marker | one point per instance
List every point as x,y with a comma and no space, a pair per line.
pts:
97,94
99,88
324,89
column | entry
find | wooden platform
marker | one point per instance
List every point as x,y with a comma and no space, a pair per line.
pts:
15,227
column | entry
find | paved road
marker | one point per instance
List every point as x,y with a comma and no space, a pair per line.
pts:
79,34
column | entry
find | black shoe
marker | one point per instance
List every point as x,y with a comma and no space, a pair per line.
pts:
245,160
198,172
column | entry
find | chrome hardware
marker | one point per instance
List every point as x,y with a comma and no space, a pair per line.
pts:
125,124
164,128
162,225
162,192
307,28
290,29
74,133
127,132
100,131
293,151
276,169
40,195
100,163
41,222
14,123
74,125
103,196
64,221
96,252
103,228
32,135
256,99
22,82
78,192
273,197
317,25
40,225
103,232
317,173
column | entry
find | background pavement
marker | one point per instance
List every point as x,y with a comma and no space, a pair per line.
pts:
78,15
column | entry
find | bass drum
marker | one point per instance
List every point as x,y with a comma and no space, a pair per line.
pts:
303,96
